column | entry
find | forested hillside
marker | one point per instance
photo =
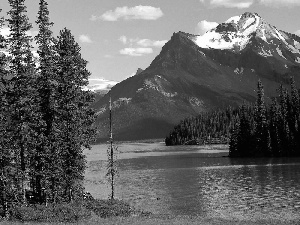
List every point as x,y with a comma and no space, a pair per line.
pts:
251,130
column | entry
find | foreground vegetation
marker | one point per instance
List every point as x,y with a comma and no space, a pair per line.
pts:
170,220
70,212
45,119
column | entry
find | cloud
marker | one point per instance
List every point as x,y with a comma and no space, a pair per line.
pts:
150,43
278,3
142,42
136,12
100,84
297,32
136,51
139,47
85,38
32,33
204,26
241,4
4,31
123,39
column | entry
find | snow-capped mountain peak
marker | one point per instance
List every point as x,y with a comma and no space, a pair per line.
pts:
238,31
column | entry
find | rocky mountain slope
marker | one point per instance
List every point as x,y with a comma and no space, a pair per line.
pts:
194,73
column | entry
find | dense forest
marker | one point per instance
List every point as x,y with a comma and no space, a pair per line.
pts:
268,131
208,127
251,130
45,119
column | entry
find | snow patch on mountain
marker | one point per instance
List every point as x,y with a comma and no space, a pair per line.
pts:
280,53
196,102
238,31
239,70
235,32
157,85
234,19
121,101
265,53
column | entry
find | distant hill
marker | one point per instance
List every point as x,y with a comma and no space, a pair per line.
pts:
193,74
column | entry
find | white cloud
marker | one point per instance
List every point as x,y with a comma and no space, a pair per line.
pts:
123,39
297,32
100,84
85,38
278,3
136,12
150,43
139,47
136,51
4,31
32,33
241,4
204,26
142,42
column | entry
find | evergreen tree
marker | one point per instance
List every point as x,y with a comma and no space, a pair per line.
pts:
22,96
274,128
244,139
294,117
284,129
233,143
73,117
261,127
4,117
45,159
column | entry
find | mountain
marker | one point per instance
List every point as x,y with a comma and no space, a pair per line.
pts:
193,74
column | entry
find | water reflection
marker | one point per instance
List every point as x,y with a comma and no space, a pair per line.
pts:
205,184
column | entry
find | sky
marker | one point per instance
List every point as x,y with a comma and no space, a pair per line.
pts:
119,36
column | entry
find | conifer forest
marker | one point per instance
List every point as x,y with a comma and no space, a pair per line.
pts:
252,130
44,115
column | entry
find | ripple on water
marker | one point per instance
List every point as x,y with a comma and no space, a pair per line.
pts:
215,188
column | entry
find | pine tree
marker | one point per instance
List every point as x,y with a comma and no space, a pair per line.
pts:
46,158
244,139
294,117
22,96
274,128
284,129
74,118
4,117
261,126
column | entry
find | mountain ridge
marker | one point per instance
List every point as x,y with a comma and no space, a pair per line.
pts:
186,79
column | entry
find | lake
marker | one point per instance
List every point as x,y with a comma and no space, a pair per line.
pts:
198,181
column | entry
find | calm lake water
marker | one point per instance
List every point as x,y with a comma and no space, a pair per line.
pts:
198,180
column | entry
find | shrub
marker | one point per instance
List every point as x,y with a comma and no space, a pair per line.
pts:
71,212
108,208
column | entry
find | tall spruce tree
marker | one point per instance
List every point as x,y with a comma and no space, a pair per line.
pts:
45,159
262,140
244,140
295,117
74,118
284,128
4,117
22,96
274,114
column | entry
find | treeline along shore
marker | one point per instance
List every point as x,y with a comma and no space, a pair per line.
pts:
251,130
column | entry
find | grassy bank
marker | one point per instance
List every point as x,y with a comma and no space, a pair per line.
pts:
167,220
